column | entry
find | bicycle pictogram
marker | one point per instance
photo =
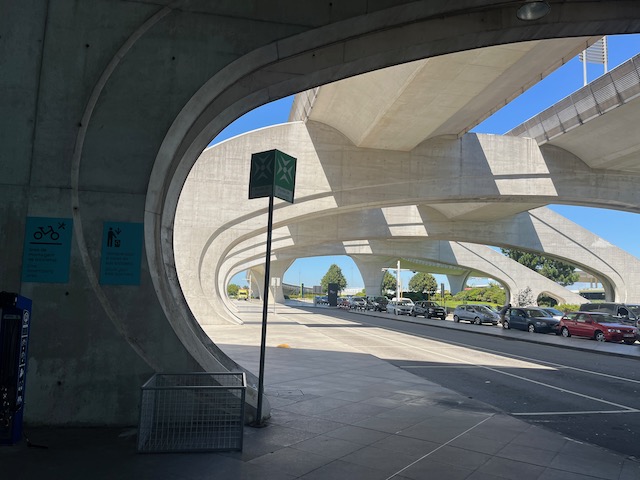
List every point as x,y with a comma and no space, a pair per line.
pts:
48,232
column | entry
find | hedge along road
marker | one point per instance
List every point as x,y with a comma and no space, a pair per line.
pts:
587,395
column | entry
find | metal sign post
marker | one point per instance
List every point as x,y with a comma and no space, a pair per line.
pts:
273,173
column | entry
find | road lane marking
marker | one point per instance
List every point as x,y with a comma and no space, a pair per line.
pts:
524,379
441,446
510,355
584,412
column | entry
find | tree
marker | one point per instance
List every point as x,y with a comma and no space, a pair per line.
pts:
423,282
560,272
333,275
389,282
524,298
232,289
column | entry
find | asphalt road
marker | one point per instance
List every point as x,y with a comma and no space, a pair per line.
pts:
587,396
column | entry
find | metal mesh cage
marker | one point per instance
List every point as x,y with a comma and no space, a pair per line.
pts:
191,412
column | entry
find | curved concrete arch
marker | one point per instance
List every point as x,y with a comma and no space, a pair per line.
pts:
185,78
224,97
541,231
321,194
478,259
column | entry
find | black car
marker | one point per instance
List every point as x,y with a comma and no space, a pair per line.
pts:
379,304
429,309
532,319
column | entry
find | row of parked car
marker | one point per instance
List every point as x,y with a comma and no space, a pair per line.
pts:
610,322
604,322
403,306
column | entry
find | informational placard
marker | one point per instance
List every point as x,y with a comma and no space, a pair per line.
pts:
272,173
121,253
47,250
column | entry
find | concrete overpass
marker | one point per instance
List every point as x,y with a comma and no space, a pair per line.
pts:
107,105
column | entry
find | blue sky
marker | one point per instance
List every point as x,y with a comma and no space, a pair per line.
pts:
619,228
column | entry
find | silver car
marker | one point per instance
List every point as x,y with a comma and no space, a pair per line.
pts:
477,314
403,306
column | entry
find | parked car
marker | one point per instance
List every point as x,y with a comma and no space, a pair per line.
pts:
477,314
344,302
600,326
321,300
554,312
379,303
629,313
357,303
429,309
404,306
532,319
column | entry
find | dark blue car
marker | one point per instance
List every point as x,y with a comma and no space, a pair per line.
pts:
531,319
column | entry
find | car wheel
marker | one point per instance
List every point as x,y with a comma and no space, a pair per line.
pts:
565,332
532,328
456,319
599,336
414,314
477,321
505,325
629,342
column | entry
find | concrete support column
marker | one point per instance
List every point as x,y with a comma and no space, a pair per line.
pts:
257,280
371,270
457,282
278,270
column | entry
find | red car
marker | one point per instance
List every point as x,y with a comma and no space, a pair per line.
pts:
603,327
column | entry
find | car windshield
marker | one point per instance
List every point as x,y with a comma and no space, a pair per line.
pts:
432,304
553,311
635,309
405,302
606,318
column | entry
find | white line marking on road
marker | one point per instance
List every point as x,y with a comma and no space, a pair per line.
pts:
441,446
510,355
585,412
524,379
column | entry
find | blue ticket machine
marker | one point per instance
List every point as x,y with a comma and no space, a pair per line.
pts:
15,320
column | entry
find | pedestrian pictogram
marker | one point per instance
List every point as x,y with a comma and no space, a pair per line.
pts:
121,253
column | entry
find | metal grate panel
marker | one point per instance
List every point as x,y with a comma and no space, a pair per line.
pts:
192,412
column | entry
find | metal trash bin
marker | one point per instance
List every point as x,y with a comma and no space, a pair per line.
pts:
192,412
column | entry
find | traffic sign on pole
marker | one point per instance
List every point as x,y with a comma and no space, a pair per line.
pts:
273,173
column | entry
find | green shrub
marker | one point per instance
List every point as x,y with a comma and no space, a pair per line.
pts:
568,307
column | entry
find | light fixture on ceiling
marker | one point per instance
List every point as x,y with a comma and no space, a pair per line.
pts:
533,10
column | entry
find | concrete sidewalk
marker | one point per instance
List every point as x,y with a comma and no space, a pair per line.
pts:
337,413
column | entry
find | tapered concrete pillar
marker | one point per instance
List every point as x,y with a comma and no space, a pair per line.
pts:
371,270
457,282
278,270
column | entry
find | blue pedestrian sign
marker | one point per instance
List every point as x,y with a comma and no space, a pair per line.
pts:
121,253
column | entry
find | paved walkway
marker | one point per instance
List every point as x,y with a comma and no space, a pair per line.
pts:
338,412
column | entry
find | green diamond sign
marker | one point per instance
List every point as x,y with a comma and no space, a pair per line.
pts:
272,173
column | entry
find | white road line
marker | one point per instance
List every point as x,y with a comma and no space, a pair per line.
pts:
585,412
524,379
441,446
513,355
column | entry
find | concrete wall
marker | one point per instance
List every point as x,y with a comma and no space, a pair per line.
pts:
107,105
